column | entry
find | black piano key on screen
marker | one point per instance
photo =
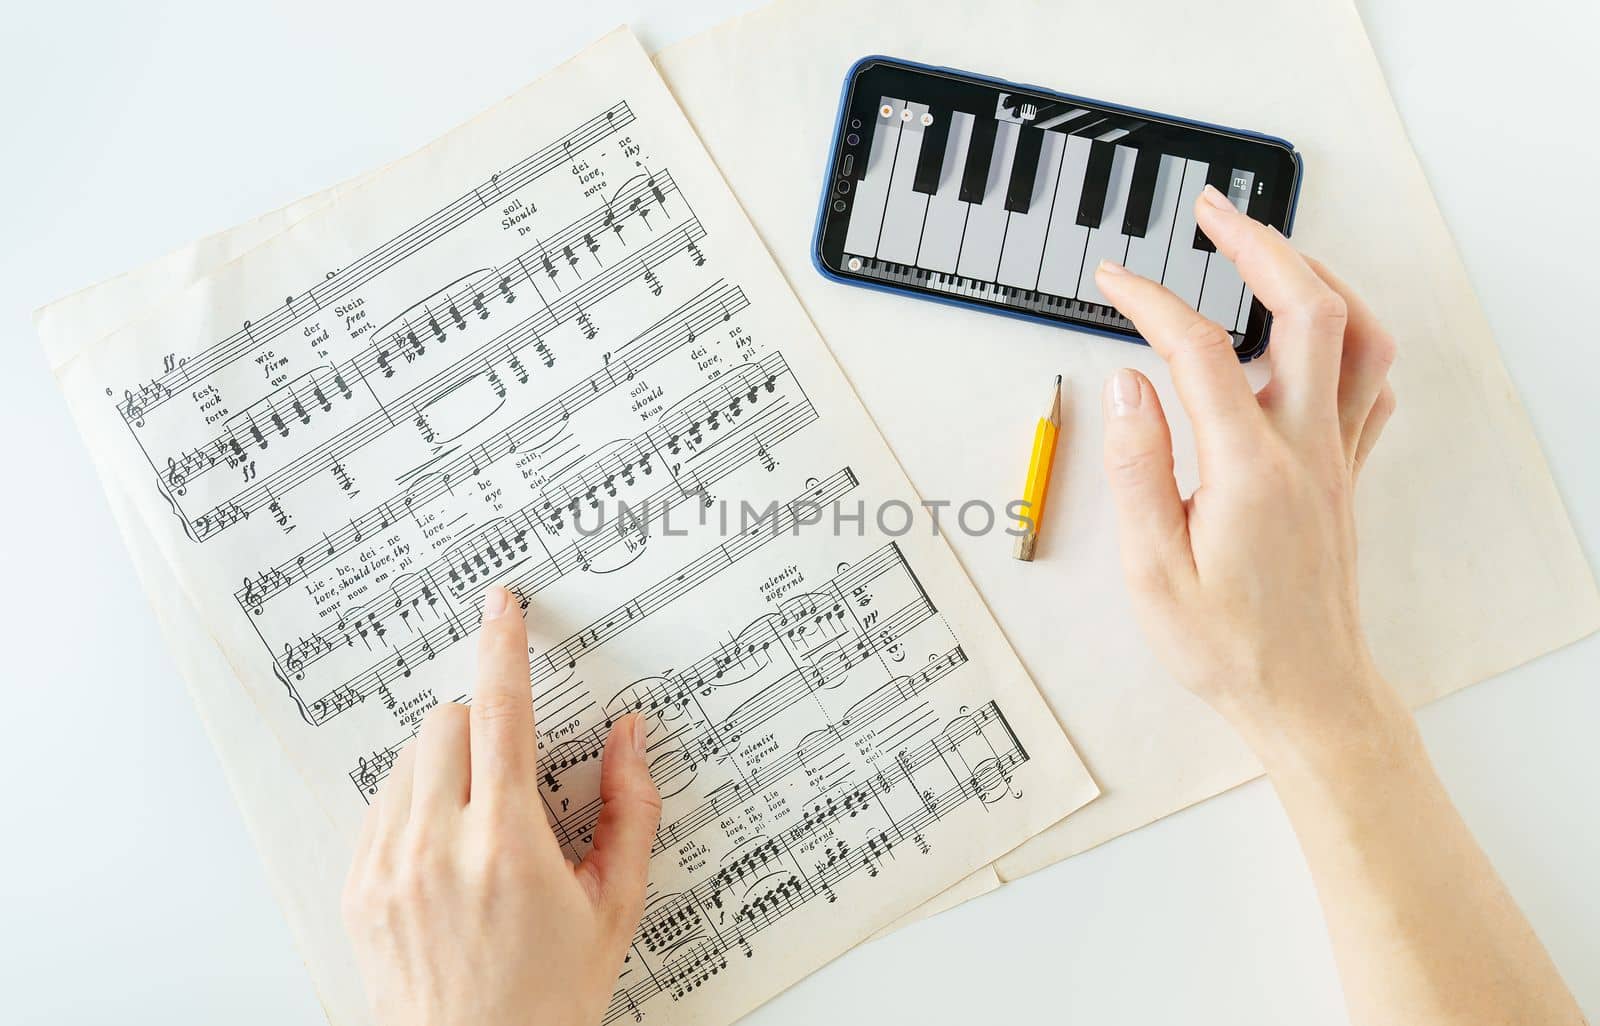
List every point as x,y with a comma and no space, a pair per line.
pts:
979,152
1217,175
1024,169
931,160
1141,193
1096,178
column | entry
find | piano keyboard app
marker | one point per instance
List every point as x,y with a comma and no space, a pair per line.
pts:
969,190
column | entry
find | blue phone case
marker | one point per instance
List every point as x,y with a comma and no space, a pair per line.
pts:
833,157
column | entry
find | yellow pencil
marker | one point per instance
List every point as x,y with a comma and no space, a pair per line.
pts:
1033,493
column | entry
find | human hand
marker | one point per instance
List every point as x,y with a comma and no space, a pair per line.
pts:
1248,589
460,904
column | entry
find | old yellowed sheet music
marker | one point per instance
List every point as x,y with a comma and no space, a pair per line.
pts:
548,352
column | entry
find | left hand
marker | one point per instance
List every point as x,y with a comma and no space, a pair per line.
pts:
461,906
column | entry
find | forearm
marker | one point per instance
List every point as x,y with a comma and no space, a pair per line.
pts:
1423,930
1266,626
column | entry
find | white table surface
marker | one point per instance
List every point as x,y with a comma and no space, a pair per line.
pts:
129,891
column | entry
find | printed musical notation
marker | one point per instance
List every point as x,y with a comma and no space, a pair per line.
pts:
580,377
139,400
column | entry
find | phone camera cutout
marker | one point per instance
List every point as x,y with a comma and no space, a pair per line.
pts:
855,122
838,206
843,186
852,139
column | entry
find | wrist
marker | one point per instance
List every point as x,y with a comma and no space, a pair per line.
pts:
1356,723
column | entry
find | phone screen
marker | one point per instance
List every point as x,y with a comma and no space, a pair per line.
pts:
1007,198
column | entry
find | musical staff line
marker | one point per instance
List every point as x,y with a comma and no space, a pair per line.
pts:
577,555
274,414
135,406
566,654
660,340
317,460
678,975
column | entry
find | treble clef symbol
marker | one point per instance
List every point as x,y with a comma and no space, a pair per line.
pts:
176,479
132,409
293,663
366,779
252,598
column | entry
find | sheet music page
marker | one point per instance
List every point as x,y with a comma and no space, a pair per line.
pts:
1459,470
549,352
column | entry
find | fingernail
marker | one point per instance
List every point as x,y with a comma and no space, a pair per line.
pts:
1124,392
638,735
1216,199
1111,267
495,602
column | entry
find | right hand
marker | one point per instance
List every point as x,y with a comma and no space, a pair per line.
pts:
1248,589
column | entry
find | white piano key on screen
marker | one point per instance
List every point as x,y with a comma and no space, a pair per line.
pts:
902,214
1148,255
1063,242
1219,298
872,188
986,221
1024,245
1107,241
1243,323
947,214
1186,266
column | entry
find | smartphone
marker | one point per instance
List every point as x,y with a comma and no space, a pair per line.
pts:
970,190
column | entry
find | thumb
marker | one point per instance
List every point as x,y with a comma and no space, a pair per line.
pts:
1154,527
630,809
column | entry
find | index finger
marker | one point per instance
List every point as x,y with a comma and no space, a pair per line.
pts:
1199,352
504,752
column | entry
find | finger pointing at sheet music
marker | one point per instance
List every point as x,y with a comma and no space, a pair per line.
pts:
503,753
460,903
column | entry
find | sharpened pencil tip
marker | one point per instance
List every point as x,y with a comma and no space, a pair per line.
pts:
1058,381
